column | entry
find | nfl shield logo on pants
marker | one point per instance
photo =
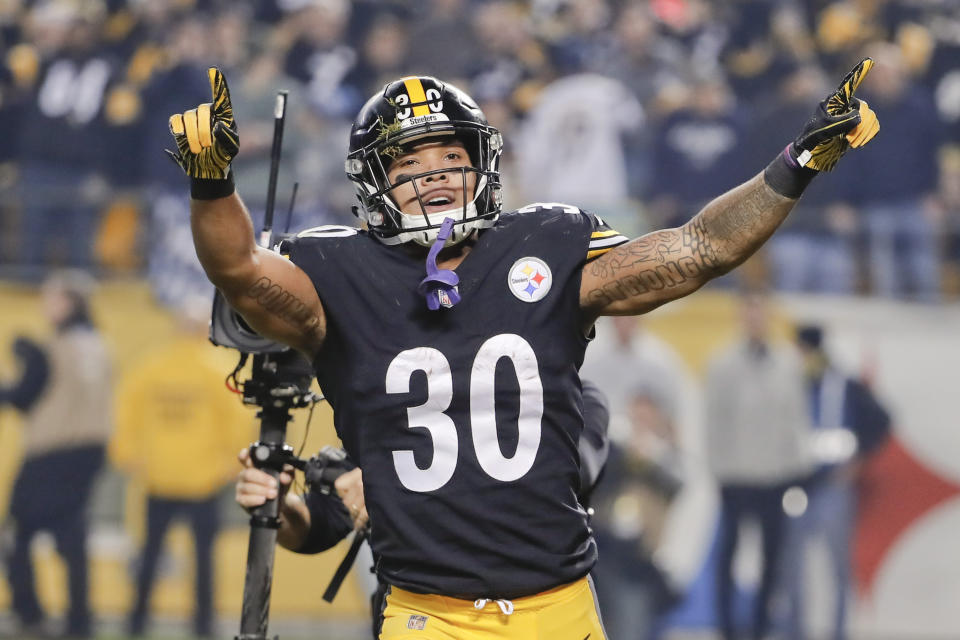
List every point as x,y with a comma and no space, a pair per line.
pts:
417,622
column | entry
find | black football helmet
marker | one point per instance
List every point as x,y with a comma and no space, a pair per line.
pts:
406,111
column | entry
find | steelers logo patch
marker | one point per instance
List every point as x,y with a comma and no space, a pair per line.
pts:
529,279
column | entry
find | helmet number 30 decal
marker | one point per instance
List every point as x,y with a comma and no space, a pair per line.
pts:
443,432
434,103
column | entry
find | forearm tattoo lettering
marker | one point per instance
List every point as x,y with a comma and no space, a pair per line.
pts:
283,304
657,261
675,262
744,218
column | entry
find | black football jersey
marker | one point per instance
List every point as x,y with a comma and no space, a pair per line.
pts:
465,420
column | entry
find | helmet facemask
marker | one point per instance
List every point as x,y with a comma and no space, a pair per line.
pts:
368,169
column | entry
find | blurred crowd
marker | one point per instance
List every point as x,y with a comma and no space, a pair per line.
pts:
779,430
638,110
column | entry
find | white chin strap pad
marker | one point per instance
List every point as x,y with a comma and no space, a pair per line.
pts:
427,237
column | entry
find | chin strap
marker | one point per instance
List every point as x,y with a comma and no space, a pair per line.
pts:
440,285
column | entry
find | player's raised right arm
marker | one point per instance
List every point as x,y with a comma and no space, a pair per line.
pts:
272,294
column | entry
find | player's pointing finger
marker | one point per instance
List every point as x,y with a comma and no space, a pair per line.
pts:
222,107
852,82
841,100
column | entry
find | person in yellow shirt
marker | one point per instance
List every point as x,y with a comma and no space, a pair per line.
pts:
177,433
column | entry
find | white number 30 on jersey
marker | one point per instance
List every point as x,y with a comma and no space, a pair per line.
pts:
430,415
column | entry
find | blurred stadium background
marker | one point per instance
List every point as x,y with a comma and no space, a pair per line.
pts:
639,111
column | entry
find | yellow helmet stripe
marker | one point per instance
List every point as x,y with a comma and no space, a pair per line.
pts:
417,94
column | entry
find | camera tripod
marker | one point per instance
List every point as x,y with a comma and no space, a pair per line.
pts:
280,382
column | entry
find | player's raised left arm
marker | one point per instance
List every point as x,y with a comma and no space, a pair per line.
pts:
661,266
654,269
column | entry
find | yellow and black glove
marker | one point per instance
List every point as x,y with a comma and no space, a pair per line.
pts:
207,139
840,122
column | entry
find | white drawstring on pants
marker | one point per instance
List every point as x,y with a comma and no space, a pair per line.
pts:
506,606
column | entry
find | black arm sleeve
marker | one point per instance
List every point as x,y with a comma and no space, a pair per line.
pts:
329,522
594,444
33,380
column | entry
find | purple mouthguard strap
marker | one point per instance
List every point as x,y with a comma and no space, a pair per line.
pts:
439,281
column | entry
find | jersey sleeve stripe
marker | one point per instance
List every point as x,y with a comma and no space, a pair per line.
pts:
596,253
607,242
603,234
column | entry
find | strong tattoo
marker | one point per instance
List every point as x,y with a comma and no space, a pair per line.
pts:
282,304
723,235
671,258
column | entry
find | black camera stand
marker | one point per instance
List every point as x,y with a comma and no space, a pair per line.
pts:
280,382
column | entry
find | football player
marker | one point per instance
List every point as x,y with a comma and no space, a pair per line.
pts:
447,337
322,518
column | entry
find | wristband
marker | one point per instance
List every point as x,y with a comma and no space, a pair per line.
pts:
211,189
785,175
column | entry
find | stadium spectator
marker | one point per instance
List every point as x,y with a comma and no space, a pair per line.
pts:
849,424
901,224
700,28
172,47
816,250
583,43
65,394
312,142
177,432
441,39
695,149
625,356
652,67
383,53
841,29
511,62
174,273
230,35
17,79
942,76
572,146
63,139
948,200
323,59
644,59
644,475
761,47
756,426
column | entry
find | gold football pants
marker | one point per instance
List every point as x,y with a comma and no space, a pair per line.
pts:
568,612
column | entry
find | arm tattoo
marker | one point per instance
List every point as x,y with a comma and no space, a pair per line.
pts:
698,243
742,219
283,304
664,265
658,261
